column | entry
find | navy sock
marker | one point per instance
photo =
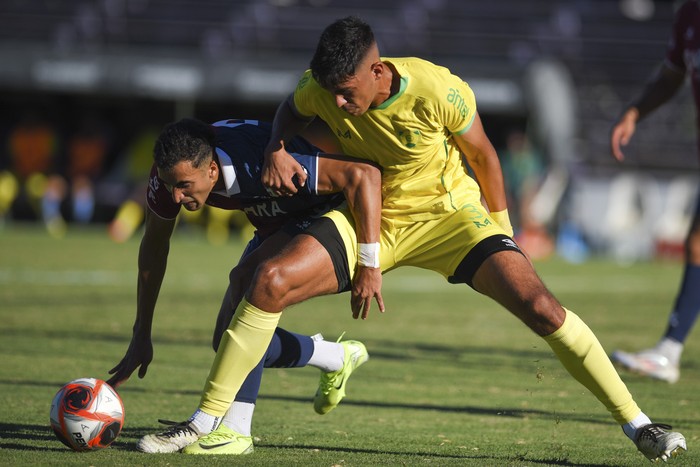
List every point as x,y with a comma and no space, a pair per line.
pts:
289,350
687,305
251,386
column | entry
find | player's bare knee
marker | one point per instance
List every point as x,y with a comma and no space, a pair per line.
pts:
271,282
546,313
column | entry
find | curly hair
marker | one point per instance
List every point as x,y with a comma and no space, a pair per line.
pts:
341,48
185,140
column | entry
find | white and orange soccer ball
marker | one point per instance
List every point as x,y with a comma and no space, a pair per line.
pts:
87,414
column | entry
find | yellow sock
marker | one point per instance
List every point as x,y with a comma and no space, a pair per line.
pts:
582,355
242,347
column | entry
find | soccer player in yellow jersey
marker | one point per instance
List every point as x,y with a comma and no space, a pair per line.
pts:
419,122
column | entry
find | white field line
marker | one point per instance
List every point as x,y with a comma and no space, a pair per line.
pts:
70,277
416,282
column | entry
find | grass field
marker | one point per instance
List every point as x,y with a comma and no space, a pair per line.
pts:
452,379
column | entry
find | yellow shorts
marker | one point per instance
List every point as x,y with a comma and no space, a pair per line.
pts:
453,245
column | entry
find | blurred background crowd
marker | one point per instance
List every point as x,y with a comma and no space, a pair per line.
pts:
86,85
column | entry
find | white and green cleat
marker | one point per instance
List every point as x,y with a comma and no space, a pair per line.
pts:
223,440
331,388
179,435
656,441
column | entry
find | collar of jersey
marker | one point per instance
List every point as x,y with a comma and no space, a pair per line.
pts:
228,172
402,88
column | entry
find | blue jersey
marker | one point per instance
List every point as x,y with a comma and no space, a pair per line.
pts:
239,149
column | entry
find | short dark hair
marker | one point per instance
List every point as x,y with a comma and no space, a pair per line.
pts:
341,48
185,140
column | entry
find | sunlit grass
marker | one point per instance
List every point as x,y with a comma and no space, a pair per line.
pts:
453,379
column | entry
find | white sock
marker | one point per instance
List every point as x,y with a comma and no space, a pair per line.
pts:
239,417
203,422
327,356
630,428
671,349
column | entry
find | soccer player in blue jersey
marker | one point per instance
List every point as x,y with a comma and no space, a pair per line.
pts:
419,122
662,362
220,165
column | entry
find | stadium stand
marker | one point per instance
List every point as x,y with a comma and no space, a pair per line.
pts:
169,58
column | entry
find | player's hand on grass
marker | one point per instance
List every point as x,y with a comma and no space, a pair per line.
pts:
139,354
366,287
280,172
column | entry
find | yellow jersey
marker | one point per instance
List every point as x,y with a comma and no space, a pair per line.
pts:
409,135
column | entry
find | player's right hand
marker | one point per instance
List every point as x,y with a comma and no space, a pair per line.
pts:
279,172
139,354
366,286
622,133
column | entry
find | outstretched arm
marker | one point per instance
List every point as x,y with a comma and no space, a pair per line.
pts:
360,182
279,168
153,257
664,85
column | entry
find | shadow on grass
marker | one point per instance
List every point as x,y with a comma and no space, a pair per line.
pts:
466,409
388,350
12,433
498,460
381,350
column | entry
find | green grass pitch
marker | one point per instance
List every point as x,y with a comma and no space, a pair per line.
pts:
453,379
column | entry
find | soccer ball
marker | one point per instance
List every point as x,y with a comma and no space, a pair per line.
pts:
87,414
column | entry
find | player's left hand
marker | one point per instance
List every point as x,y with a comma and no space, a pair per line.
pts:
366,287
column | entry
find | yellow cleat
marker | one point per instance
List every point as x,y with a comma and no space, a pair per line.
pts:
331,388
223,440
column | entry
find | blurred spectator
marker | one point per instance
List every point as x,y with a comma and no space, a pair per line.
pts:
32,149
86,153
132,170
523,171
